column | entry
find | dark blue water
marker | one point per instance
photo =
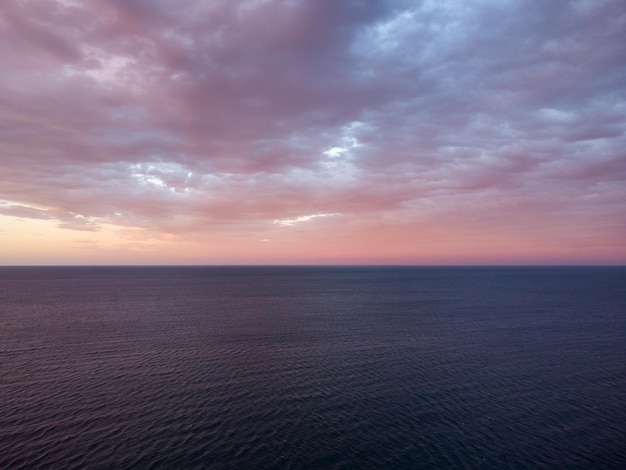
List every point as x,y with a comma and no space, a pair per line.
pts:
312,368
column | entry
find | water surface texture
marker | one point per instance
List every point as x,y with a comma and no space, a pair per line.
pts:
312,367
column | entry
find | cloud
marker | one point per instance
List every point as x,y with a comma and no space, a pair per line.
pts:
234,117
296,220
17,210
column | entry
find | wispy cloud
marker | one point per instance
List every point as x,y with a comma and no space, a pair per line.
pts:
296,220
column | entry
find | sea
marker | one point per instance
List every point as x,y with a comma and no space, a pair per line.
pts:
312,367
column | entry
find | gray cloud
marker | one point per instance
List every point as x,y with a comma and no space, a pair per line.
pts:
187,118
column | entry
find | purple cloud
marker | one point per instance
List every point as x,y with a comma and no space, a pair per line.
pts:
202,116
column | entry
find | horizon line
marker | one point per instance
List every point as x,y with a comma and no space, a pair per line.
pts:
313,265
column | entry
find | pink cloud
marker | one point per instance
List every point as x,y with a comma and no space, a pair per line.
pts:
221,117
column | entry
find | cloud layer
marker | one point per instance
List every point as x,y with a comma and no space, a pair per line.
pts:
431,131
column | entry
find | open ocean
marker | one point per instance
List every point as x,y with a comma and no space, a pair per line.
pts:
312,367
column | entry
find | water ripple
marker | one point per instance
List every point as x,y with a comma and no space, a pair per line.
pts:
312,368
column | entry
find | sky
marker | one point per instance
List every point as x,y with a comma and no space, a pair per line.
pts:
312,132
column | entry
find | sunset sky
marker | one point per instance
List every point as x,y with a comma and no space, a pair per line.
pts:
312,132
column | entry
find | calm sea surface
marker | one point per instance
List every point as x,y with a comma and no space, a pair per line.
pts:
312,368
